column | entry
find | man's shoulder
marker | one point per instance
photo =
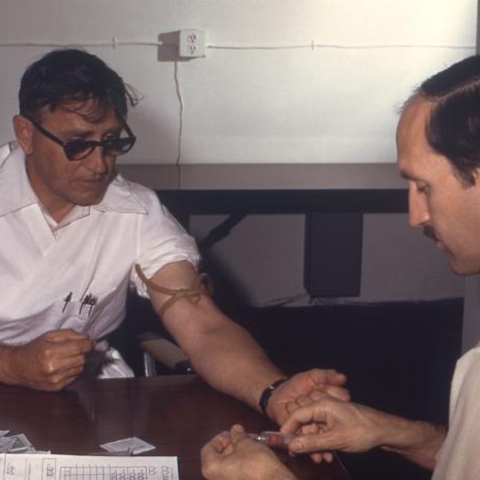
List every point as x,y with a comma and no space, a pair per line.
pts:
130,197
143,193
124,183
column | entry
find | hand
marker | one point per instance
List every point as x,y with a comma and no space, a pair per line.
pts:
311,428
49,362
234,456
340,426
300,386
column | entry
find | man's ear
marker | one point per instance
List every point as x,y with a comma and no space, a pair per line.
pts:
23,129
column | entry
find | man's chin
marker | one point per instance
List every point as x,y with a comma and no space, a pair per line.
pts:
463,268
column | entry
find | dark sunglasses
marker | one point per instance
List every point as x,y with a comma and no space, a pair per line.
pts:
78,149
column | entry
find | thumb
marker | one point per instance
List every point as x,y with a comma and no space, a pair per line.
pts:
237,433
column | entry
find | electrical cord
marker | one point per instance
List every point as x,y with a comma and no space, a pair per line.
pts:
178,91
312,45
114,42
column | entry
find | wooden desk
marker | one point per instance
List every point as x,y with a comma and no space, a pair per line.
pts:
177,414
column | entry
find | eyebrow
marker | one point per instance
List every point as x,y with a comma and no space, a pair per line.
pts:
406,176
85,134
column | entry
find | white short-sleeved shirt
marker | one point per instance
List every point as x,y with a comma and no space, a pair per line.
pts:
459,457
92,256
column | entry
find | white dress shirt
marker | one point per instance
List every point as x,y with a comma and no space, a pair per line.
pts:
76,274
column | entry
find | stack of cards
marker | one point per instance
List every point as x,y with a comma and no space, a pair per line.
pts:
15,443
21,444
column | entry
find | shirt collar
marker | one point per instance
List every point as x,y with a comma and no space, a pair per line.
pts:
18,193
120,197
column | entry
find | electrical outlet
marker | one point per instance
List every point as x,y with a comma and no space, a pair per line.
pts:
191,43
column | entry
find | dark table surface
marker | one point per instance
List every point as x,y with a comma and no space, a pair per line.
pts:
177,414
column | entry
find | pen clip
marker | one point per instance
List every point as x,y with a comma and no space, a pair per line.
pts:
67,300
89,300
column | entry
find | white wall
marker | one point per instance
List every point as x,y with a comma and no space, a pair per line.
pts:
264,254
293,105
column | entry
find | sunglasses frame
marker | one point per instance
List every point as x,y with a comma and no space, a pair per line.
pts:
89,145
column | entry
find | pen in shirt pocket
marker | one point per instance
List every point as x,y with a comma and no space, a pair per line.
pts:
67,300
89,301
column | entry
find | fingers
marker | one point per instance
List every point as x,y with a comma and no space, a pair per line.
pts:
313,428
328,457
237,433
59,381
294,422
63,335
308,399
219,449
335,378
314,413
322,457
320,442
49,362
73,343
57,374
63,366
338,392
215,446
211,453
321,377
61,357
224,440
332,382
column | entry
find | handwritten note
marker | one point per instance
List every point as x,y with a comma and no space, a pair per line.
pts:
79,467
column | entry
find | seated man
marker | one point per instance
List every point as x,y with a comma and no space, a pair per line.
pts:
76,236
438,153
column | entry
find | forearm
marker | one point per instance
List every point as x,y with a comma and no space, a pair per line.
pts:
230,360
417,441
222,352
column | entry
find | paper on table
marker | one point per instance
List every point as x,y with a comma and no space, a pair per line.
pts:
62,467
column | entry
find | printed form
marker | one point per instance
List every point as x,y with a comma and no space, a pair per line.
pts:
37,466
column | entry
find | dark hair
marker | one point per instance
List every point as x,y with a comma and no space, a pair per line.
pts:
72,75
453,129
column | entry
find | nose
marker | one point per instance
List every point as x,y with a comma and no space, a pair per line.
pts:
96,162
418,214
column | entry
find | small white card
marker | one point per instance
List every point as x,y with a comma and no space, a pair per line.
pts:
132,446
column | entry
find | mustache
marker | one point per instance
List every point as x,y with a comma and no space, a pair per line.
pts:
429,232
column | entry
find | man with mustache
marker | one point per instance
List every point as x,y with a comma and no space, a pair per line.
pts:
438,153
76,236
